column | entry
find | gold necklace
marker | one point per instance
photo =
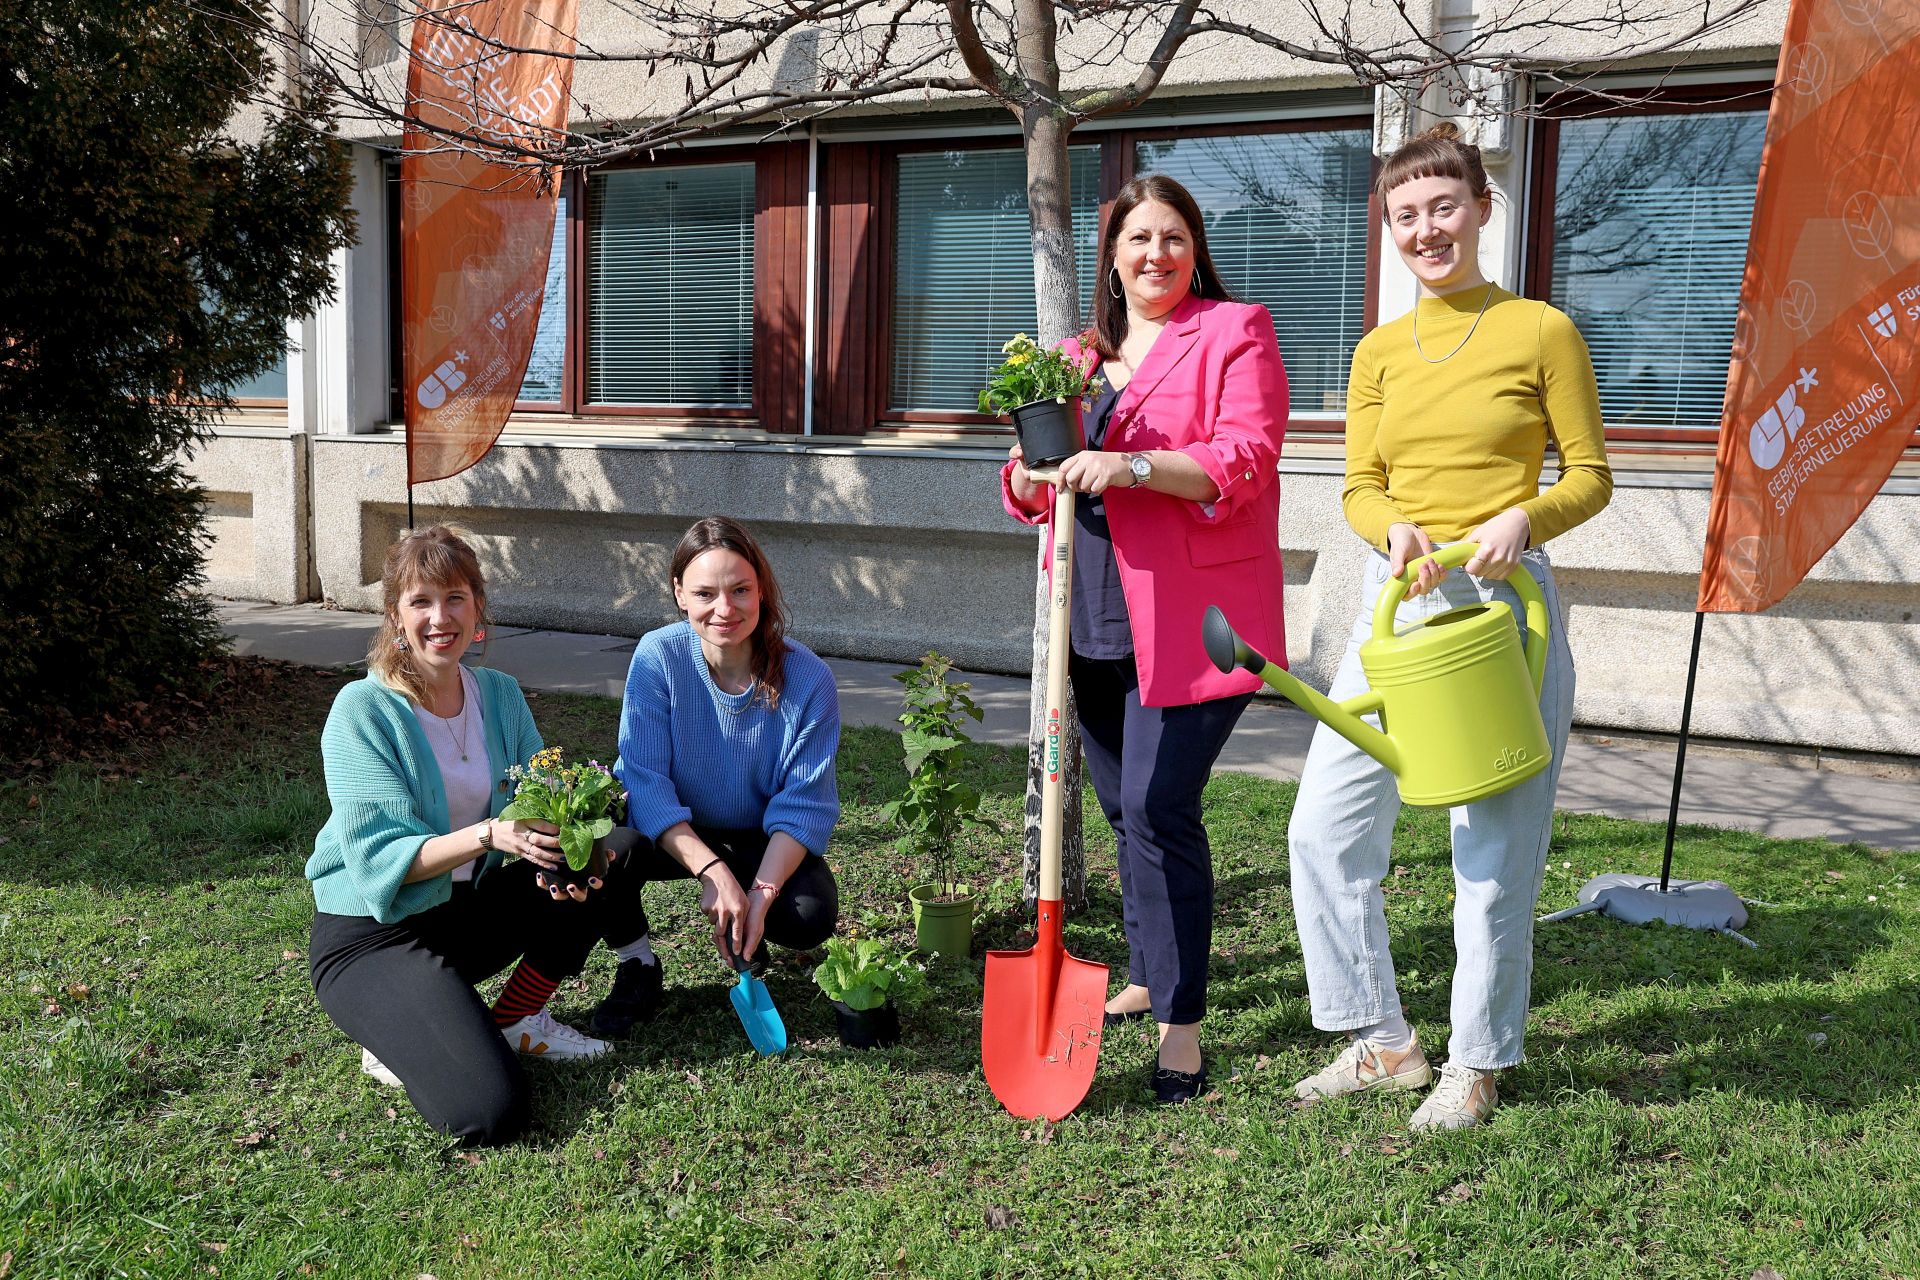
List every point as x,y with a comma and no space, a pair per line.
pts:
446,723
1463,342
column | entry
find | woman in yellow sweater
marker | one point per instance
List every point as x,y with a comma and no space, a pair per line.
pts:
1449,414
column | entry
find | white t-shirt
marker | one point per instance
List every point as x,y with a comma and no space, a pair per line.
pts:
469,781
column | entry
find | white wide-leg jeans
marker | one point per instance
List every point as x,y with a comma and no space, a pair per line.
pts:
1340,845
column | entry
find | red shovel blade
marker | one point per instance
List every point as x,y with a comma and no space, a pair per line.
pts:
1040,1027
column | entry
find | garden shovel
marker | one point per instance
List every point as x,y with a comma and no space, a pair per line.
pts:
754,1004
1040,1025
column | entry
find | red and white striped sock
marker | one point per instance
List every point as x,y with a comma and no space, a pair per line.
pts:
525,994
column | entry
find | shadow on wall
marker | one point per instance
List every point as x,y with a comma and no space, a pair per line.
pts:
867,572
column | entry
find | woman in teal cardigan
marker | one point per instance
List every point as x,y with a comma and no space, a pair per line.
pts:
416,897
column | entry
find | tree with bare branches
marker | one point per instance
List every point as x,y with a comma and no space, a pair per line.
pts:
1052,65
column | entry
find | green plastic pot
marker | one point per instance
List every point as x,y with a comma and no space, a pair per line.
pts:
945,927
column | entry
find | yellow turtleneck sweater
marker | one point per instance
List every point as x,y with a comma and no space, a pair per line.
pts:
1447,446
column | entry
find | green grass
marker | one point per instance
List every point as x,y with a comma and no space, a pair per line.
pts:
175,1103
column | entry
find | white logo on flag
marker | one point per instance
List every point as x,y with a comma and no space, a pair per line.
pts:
444,381
1767,441
1883,321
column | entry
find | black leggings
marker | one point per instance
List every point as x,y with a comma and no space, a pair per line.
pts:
406,991
802,916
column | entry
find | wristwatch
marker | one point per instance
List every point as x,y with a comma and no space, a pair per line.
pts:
1141,466
484,834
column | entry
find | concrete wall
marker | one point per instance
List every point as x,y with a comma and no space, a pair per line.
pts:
257,514
887,552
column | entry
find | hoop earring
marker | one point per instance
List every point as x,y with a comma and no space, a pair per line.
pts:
1196,279
1113,285
400,643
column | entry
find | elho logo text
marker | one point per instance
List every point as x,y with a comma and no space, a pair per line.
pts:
1510,758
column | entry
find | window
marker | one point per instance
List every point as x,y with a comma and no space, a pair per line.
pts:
1646,244
1287,227
547,362
669,266
963,268
269,386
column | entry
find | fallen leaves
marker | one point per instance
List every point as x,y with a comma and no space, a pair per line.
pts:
999,1217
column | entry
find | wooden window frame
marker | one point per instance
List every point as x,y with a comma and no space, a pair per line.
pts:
1117,162
1544,170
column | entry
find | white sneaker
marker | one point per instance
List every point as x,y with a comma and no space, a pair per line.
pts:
539,1035
1463,1098
377,1069
1364,1066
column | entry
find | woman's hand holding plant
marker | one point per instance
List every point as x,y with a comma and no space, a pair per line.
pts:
1502,541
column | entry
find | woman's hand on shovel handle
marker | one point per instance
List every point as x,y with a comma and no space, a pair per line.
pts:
1026,491
726,905
1406,543
1502,540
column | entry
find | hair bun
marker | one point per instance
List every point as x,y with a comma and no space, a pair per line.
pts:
1445,131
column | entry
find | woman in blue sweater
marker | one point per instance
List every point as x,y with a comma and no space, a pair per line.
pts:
727,738
416,899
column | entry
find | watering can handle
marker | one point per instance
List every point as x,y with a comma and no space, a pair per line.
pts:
1453,556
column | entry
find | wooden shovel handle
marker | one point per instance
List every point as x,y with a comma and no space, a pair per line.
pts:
1059,610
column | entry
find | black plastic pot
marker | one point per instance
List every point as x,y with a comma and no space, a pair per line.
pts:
867,1028
596,866
1050,431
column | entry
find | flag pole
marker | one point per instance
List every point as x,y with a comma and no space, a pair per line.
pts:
1680,758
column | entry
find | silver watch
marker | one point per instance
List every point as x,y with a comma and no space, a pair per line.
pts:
1141,466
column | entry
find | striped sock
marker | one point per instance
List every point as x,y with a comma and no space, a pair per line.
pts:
526,993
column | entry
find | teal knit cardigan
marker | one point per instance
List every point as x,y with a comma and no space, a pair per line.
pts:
388,797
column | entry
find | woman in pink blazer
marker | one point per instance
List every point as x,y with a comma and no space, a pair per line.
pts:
1181,511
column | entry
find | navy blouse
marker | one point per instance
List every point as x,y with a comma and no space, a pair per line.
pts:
1099,625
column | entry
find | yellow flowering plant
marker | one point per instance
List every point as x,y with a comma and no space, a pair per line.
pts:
1032,373
583,800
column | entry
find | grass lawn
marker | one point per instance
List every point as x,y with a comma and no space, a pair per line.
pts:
174,1103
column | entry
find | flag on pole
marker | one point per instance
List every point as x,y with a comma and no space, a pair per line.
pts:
476,219
1824,389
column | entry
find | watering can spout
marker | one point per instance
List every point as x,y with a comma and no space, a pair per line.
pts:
1227,650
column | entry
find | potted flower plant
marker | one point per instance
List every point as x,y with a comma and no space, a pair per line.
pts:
583,800
869,983
1041,389
936,806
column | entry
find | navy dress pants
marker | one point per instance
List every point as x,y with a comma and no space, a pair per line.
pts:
1149,766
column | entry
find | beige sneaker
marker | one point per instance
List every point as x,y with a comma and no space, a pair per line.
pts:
378,1070
1463,1099
1364,1065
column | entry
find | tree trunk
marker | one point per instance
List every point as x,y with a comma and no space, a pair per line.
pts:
1057,291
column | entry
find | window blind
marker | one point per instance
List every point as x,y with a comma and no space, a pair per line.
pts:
963,267
670,286
1650,221
1286,217
549,354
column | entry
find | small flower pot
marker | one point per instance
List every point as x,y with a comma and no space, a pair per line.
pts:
596,866
867,1028
945,927
1050,431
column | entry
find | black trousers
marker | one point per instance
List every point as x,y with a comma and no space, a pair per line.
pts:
406,991
802,916
1149,766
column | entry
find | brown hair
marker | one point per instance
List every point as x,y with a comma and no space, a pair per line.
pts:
1437,153
770,633
1108,325
438,557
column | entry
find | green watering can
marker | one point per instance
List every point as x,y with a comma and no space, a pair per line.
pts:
1459,702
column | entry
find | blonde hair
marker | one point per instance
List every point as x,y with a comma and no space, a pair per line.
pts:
440,557
1437,153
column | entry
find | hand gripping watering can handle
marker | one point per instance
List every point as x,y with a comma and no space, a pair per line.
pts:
1453,556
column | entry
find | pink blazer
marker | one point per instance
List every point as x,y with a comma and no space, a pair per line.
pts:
1213,388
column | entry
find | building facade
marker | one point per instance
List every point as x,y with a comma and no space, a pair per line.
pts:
792,331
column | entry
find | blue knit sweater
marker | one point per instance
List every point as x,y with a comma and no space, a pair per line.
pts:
690,752
388,797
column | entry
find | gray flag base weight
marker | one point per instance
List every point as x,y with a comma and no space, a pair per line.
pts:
1695,904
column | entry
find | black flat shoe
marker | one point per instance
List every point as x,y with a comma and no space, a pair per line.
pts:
635,998
1178,1086
1110,1019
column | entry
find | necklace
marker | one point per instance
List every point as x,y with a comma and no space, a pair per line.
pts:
1463,342
446,723
722,699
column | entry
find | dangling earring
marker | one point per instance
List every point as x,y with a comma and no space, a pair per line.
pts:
479,634
400,643
1114,284
1196,280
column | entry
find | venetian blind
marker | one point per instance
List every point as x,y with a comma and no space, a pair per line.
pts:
545,362
963,267
670,286
1650,220
1286,217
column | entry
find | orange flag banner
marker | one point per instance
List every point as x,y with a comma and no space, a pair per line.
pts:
1824,389
475,228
